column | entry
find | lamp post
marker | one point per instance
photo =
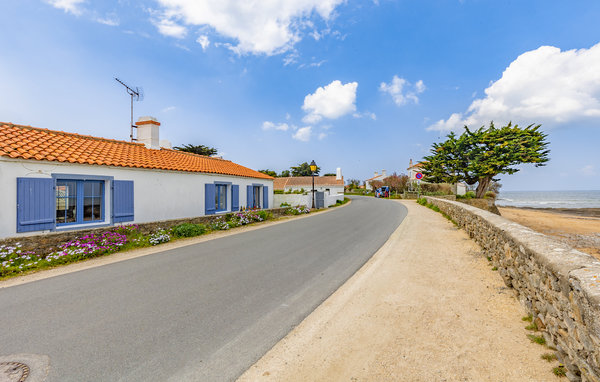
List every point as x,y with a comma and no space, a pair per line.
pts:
313,168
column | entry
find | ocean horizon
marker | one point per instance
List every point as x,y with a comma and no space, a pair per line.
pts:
549,199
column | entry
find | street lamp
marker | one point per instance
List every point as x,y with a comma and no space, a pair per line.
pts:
313,168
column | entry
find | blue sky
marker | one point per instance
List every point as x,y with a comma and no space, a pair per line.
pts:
364,86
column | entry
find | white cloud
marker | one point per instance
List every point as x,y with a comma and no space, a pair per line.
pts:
545,85
366,114
203,41
69,6
268,125
332,101
303,134
260,27
170,28
402,91
111,21
322,136
168,109
588,170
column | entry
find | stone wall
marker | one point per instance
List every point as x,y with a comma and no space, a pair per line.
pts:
559,285
49,242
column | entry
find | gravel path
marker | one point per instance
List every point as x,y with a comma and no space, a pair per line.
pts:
426,307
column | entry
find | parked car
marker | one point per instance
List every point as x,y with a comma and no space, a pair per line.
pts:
382,192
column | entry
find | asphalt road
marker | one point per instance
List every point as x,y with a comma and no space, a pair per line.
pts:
204,312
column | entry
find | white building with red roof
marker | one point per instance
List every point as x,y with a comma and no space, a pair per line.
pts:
377,177
54,181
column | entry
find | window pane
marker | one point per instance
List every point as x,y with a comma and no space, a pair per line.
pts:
66,201
97,210
66,189
92,188
87,208
87,189
71,210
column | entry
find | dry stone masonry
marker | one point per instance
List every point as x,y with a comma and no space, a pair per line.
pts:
559,285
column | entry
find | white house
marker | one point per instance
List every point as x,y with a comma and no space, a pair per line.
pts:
332,185
413,169
376,177
54,181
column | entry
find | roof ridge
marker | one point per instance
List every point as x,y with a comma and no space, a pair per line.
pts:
10,124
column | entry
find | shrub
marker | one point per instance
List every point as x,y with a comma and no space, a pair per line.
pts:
284,204
297,210
278,191
219,224
188,230
159,237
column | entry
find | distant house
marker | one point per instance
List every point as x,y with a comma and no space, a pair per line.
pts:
376,177
413,169
55,181
332,185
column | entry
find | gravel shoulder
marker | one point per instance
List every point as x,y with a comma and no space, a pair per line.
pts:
426,307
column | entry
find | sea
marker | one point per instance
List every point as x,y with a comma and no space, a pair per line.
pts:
549,199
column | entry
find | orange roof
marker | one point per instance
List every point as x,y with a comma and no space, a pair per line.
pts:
299,181
416,165
26,142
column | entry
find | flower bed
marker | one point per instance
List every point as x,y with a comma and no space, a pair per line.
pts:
14,260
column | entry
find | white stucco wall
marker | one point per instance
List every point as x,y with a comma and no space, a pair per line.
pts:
333,189
158,194
303,200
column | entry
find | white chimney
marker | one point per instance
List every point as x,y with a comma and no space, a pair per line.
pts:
338,173
376,174
147,132
383,173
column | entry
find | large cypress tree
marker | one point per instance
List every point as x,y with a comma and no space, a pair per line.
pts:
479,156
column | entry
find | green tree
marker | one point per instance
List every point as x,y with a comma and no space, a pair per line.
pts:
353,183
200,149
284,174
330,174
269,172
479,156
303,169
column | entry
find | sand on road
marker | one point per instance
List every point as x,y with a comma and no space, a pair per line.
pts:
426,307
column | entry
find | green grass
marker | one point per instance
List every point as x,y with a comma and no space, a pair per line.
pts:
533,327
528,318
494,268
431,206
560,371
549,357
537,339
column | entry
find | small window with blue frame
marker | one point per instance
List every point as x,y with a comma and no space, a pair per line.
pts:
79,201
221,197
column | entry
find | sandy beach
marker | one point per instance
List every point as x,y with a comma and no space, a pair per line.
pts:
578,227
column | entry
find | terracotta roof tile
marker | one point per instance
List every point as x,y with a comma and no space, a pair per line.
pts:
42,144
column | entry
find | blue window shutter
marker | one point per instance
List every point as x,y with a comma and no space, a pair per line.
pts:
265,197
209,199
122,201
235,198
249,196
35,204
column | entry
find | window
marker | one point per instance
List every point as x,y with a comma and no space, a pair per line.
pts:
79,201
221,197
256,201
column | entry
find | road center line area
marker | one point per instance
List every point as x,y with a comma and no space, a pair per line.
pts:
203,312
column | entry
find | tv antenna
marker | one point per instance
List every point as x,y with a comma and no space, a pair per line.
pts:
138,95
